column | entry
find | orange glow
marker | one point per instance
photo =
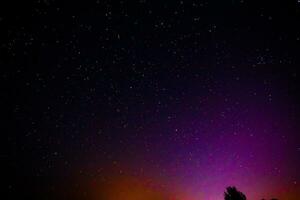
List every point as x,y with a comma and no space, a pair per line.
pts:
131,188
126,188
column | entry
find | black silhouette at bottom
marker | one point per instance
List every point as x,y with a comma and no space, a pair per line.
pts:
232,193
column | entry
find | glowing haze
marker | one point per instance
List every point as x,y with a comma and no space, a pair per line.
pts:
160,100
197,148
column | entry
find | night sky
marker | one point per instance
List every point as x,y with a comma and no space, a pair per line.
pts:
146,100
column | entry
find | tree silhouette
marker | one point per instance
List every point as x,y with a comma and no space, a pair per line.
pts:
232,193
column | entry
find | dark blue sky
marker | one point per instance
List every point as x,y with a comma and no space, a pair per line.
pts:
191,96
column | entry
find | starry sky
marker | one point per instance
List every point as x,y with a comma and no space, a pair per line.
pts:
145,100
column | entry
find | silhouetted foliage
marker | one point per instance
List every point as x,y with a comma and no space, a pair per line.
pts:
232,193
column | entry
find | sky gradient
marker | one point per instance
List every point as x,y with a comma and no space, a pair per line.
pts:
138,100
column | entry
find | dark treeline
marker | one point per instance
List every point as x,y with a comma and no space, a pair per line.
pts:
232,193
